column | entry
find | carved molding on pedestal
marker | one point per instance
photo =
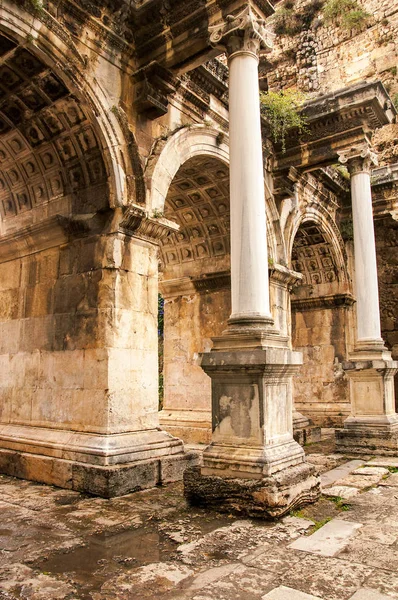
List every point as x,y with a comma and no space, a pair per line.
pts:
244,32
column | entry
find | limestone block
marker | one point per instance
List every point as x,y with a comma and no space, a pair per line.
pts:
10,275
359,481
10,337
9,304
284,593
95,369
341,491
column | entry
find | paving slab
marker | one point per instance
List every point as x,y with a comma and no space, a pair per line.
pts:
341,491
391,481
371,471
329,540
365,594
285,593
383,461
347,468
359,481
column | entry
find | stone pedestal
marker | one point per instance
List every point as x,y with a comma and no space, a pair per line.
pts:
372,427
253,465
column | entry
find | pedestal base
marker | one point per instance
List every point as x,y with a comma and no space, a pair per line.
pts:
269,497
103,465
368,435
373,426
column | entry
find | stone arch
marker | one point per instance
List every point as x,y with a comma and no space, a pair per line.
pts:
322,219
53,102
169,155
322,317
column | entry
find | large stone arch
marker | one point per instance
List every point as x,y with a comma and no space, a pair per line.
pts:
74,356
39,35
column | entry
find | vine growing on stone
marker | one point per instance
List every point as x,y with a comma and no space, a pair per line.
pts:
282,110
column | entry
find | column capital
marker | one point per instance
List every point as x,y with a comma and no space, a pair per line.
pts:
242,33
359,159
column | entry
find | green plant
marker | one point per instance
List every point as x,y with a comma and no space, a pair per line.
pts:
393,469
395,101
282,111
347,14
157,214
347,230
340,503
38,5
286,22
318,525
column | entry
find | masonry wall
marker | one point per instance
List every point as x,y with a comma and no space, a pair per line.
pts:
78,337
320,390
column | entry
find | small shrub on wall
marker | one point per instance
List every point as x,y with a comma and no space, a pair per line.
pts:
282,111
347,14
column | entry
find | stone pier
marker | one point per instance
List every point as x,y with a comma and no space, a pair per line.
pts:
253,465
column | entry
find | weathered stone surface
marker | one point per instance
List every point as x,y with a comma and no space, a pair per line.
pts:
284,593
269,497
339,472
341,491
329,540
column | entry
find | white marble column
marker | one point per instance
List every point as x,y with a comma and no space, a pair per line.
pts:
368,336
244,37
373,422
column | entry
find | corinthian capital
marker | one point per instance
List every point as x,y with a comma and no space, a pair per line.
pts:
244,32
358,160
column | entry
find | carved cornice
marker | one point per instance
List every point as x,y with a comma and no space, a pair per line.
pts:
284,277
321,302
358,159
336,123
138,224
244,32
191,285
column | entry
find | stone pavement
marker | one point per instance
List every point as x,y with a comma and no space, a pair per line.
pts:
57,544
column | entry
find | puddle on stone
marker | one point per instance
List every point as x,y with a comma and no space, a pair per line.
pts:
108,554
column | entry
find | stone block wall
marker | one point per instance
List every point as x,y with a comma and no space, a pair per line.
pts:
78,336
320,390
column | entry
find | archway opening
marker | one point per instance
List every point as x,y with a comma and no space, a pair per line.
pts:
195,284
320,321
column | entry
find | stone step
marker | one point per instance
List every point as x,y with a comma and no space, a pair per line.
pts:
364,594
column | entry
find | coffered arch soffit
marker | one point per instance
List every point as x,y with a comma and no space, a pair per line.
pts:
60,144
316,248
165,166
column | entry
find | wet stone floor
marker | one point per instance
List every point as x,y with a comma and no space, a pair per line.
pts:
57,544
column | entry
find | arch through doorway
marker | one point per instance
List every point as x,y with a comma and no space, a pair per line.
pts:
321,317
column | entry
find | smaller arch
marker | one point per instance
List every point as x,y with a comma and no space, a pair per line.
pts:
164,163
322,219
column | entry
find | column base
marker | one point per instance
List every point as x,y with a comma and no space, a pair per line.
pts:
223,460
268,497
102,465
369,435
